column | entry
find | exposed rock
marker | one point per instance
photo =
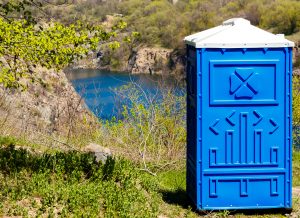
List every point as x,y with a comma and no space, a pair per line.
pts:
156,61
177,62
48,107
144,60
110,20
150,60
101,153
296,72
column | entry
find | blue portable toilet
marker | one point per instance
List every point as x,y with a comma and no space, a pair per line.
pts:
239,116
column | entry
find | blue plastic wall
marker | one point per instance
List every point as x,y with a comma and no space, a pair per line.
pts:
239,132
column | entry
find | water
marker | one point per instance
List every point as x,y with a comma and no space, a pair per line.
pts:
98,88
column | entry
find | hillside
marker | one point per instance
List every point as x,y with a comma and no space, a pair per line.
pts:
47,166
163,24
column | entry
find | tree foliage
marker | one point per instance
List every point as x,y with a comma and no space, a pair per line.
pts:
165,24
27,41
26,45
283,16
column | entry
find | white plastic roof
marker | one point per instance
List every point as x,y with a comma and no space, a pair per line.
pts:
237,33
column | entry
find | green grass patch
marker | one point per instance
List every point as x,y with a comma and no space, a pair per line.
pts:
13,141
173,179
73,184
7,140
173,187
296,168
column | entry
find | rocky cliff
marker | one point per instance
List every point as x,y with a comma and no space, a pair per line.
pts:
143,60
150,61
156,61
50,106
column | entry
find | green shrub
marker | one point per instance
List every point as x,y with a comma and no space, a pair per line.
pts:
152,132
254,11
282,16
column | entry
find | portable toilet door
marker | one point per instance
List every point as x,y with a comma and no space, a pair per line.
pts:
239,116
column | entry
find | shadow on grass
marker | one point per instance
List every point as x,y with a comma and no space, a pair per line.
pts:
255,212
176,197
179,197
14,160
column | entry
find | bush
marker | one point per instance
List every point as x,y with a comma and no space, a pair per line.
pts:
282,16
254,11
151,130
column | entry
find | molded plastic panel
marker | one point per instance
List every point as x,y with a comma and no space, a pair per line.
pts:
243,82
241,111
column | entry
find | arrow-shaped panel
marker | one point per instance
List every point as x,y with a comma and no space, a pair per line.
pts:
213,127
229,119
275,125
258,116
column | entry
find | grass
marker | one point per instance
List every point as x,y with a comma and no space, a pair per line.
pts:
72,184
296,168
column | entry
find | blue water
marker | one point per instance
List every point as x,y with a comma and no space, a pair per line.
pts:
98,88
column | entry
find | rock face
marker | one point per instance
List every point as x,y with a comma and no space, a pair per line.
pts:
296,72
150,61
156,61
50,107
143,60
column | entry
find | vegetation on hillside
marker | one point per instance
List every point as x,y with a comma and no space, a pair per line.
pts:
149,181
27,44
146,178
151,133
72,184
165,24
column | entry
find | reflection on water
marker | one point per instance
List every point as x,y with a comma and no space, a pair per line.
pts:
97,88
